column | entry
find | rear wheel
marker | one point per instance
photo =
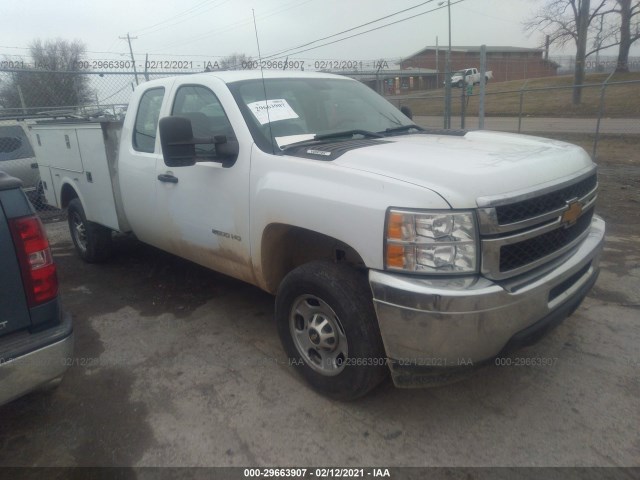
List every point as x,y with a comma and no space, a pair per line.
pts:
92,241
329,330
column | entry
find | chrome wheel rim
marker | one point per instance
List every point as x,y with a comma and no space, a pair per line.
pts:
318,335
79,231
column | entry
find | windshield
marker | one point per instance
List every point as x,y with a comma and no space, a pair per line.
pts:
301,108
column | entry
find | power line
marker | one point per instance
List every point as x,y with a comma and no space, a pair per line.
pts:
180,55
173,17
189,17
16,48
351,29
246,21
115,93
276,11
362,33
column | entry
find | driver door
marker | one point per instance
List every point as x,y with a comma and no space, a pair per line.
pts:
205,207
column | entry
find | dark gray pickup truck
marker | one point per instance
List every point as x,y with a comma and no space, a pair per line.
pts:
36,337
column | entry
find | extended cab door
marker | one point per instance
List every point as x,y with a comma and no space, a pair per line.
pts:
205,207
139,153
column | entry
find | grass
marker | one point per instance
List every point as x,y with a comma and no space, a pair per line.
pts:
612,149
503,98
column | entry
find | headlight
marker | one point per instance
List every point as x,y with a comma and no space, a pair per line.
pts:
431,242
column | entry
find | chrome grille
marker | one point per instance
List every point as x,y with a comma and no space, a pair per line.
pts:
533,207
527,230
518,254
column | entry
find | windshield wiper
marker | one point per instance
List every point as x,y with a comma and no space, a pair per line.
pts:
403,128
328,136
348,133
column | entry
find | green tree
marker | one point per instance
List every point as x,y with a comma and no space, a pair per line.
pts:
51,80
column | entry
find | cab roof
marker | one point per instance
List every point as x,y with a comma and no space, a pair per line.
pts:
231,76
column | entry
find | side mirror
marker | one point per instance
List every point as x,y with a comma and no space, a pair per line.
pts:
227,150
407,112
179,144
176,138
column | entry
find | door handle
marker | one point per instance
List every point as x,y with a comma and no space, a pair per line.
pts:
165,177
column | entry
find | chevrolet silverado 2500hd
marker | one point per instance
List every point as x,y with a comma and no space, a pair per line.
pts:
388,247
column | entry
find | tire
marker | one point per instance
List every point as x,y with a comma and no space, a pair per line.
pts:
328,328
92,241
460,84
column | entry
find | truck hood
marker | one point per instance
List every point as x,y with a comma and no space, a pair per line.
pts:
463,168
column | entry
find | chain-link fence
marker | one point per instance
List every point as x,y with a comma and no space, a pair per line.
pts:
17,158
593,64
609,107
28,97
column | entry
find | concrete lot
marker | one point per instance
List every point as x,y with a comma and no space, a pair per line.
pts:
176,365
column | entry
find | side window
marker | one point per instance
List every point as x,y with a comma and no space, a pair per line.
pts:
144,132
208,119
14,143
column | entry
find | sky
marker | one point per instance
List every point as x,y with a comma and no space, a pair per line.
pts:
206,30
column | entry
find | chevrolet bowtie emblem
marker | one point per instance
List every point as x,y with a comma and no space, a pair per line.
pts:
573,212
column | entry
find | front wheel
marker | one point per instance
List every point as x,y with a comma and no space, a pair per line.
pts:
328,328
92,241
460,84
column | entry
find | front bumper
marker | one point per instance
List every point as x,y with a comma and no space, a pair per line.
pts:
30,361
442,326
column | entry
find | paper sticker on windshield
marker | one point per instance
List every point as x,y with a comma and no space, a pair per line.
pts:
289,139
278,109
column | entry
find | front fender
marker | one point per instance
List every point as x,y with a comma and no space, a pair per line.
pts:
321,196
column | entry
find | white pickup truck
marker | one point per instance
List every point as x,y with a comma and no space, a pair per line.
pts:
388,247
468,76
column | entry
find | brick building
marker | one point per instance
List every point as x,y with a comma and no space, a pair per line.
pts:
507,63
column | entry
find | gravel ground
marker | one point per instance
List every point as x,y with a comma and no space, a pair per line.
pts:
179,366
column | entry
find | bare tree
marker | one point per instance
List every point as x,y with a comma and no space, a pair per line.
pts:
566,21
51,80
629,30
235,61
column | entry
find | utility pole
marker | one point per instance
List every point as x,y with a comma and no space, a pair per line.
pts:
146,71
22,102
449,68
437,65
582,31
447,74
547,43
128,39
483,74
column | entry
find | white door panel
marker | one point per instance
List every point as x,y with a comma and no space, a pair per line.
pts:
205,207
